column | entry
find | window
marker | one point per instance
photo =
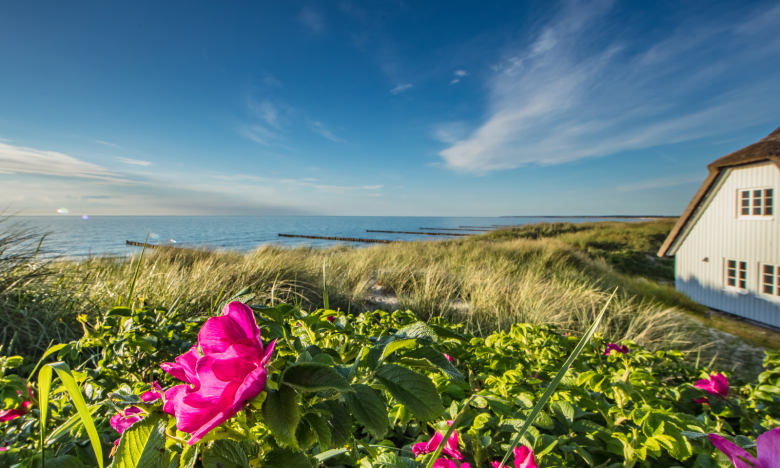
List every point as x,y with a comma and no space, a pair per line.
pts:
736,274
756,202
770,280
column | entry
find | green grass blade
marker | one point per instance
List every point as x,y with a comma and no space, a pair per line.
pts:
325,301
557,380
50,350
449,432
63,372
44,387
137,271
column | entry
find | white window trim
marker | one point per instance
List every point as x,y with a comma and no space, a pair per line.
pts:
761,292
754,217
736,288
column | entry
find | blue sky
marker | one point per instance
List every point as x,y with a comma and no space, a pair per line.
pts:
378,108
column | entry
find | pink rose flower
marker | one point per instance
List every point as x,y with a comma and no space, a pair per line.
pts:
524,458
122,421
11,414
152,395
716,384
767,446
231,371
447,463
623,349
450,449
449,358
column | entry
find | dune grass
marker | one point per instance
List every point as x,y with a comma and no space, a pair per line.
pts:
553,273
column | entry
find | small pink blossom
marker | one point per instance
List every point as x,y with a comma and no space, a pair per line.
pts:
447,463
231,371
122,421
3,449
524,458
11,414
449,358
331,318
152,395
767,446
715,384
450,448
623,349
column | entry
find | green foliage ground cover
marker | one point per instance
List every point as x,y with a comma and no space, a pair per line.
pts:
360,390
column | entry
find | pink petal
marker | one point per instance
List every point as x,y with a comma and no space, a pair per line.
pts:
149,397
449,358
524,457
9,415
331,318
444,463
701,401
269,350
732,451
495,464
184,367
769,448
121,422
173,398
720,385
219,333
242,314
419,449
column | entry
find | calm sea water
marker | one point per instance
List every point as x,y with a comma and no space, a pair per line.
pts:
75,236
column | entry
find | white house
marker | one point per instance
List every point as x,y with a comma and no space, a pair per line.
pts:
726,244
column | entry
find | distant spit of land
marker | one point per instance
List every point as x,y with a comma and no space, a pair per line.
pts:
598,217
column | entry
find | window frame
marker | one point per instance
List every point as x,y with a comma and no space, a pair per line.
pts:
740,266
775,294
766,202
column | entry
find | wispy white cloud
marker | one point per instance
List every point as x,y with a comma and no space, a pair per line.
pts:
451,132
319,128
106,143
29,160
400,88
134,162
312,20
565,96
460,73
336,189
661,183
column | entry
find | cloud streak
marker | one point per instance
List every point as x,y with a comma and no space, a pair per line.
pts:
566,95
134,162
400,88
661,183
29,160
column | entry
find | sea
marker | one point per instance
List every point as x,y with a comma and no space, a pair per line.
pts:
80,236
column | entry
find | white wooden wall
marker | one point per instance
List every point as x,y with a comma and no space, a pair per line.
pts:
719,234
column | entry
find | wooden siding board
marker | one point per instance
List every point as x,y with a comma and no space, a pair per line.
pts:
719,234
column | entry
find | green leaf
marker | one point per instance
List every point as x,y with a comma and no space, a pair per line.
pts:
447,333
437,359
120,311
321,429
65,428
143,444
369,409
314,377
65,461
416,392
286,458
555,381
281,413
563,411
417,330
330,454
394,346
225,453
340,423
189,456
65,375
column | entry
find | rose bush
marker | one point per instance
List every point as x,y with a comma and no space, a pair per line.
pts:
252,388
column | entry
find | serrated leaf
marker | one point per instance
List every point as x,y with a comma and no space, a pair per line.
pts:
322,430
447,333
369,409
416,392
281,413
314,377
340,423
189,456
693,435
143,444
65,461
394,346
563,411
286,458
417,330
437,359
588,426
224,453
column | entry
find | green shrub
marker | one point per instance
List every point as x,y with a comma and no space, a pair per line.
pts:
361,390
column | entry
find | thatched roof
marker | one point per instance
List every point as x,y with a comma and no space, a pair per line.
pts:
767,149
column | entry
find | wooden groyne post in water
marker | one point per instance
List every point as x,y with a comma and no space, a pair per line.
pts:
457,229
148,246
423,233
345,239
